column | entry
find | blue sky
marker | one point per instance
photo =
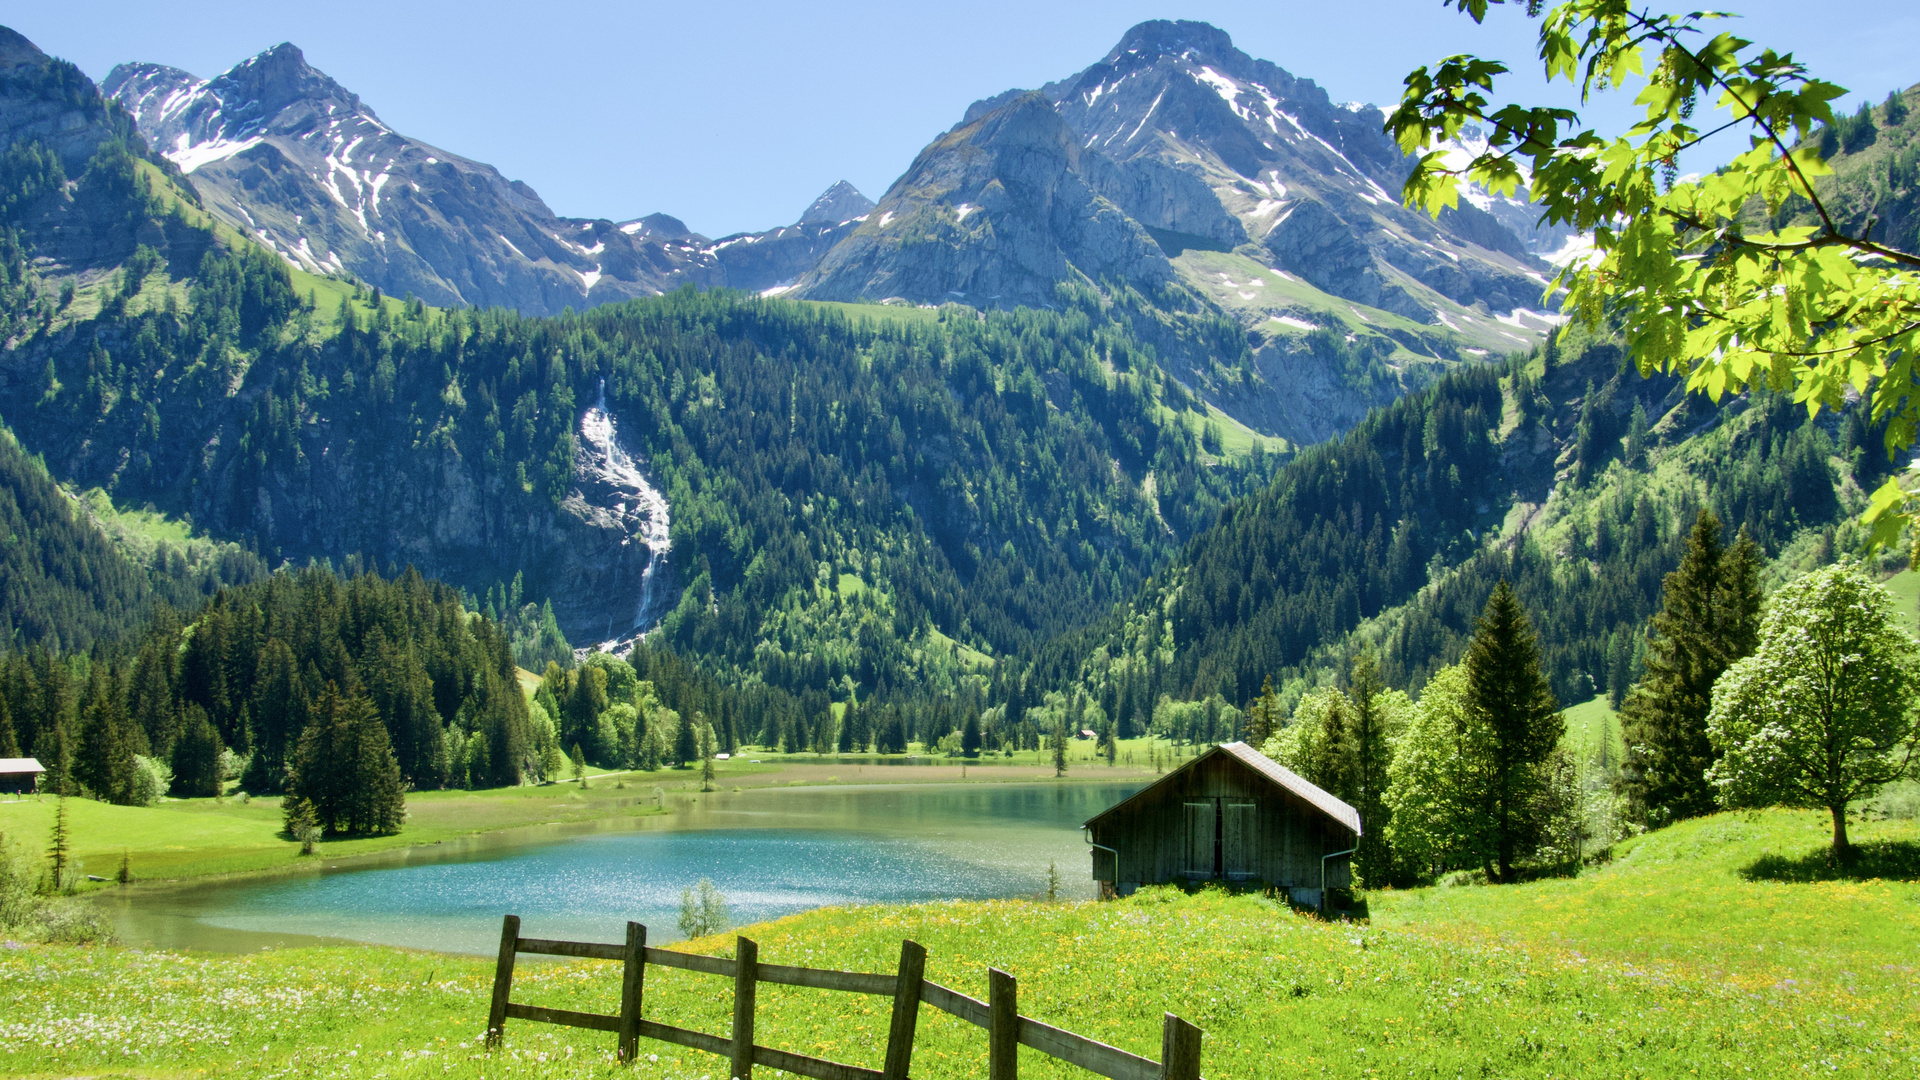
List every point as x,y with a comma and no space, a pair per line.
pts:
735,115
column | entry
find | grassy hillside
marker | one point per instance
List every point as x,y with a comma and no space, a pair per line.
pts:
1695,953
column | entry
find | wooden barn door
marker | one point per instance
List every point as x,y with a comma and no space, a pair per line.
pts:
1200,851
1238,840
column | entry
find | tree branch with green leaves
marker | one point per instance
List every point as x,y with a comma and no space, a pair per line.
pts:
1698,273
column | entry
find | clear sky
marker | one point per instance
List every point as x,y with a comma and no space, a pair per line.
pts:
735,115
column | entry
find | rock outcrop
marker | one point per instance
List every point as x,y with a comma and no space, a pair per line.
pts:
995,213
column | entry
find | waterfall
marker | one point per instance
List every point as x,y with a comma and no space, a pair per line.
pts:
640,508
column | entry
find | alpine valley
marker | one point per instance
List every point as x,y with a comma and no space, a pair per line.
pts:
1133,391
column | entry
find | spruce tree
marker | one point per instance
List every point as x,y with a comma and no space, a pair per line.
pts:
1708,618
1371,737
9,743
1263,715
108,742
58,854
375,803
1509,691
150,698
1059,747
196,757
846,728
684,747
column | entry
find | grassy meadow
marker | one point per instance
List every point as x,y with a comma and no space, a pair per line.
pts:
1713,948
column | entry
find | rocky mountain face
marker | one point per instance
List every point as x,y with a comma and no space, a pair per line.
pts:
994,213
1203,148
53,102
278,148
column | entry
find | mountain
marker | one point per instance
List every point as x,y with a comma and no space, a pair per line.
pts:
1210,152
278,149
1179,160
772,262
995,213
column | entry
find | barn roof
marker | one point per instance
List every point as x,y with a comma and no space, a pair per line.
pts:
20,765
1278,774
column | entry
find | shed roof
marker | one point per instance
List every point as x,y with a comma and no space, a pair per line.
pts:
20,765
1278,774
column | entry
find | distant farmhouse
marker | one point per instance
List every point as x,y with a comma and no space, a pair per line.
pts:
19,775
1231,815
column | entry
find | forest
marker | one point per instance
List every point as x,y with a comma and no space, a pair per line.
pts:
859,499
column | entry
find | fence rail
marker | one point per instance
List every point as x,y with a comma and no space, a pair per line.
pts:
908,987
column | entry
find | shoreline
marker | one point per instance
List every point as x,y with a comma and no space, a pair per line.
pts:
191,842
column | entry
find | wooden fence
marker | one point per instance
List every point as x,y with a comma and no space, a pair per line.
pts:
909,989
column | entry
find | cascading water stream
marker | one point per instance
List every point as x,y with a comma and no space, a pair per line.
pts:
641,508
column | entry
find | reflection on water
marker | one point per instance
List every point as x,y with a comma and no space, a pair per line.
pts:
772,852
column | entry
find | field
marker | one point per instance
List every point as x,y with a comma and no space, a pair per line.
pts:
1701,950
184,838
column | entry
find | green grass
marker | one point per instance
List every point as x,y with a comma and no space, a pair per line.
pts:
183,838
1667,962
1905,587
898,314
1587,722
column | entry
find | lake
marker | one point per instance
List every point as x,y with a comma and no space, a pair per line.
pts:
771,852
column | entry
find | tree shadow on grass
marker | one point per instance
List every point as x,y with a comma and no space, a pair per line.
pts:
1886,860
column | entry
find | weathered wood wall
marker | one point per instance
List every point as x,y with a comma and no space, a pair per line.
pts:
1260,832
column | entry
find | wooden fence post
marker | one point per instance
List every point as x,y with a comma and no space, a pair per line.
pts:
1179,1050
906,1011
1003,1026
632,978
746,975
503,980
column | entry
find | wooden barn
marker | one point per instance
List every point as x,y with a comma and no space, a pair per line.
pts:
19,775
1232,815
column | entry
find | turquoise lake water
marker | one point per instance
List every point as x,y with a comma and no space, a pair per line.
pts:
770,852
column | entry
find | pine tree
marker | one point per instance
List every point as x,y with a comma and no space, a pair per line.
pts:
279,716
345,767
707,750
846,728
108,743
1059,746
685,749
1508,689
970,735
1263,716
1896,108
579,766
59,857
9,743
150,698
1637,436
1708,618
196,757
1371,731
300,822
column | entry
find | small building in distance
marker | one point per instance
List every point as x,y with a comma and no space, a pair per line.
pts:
1231,815
19,775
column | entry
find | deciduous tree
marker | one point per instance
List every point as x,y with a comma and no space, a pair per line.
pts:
1720,276
1823,712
